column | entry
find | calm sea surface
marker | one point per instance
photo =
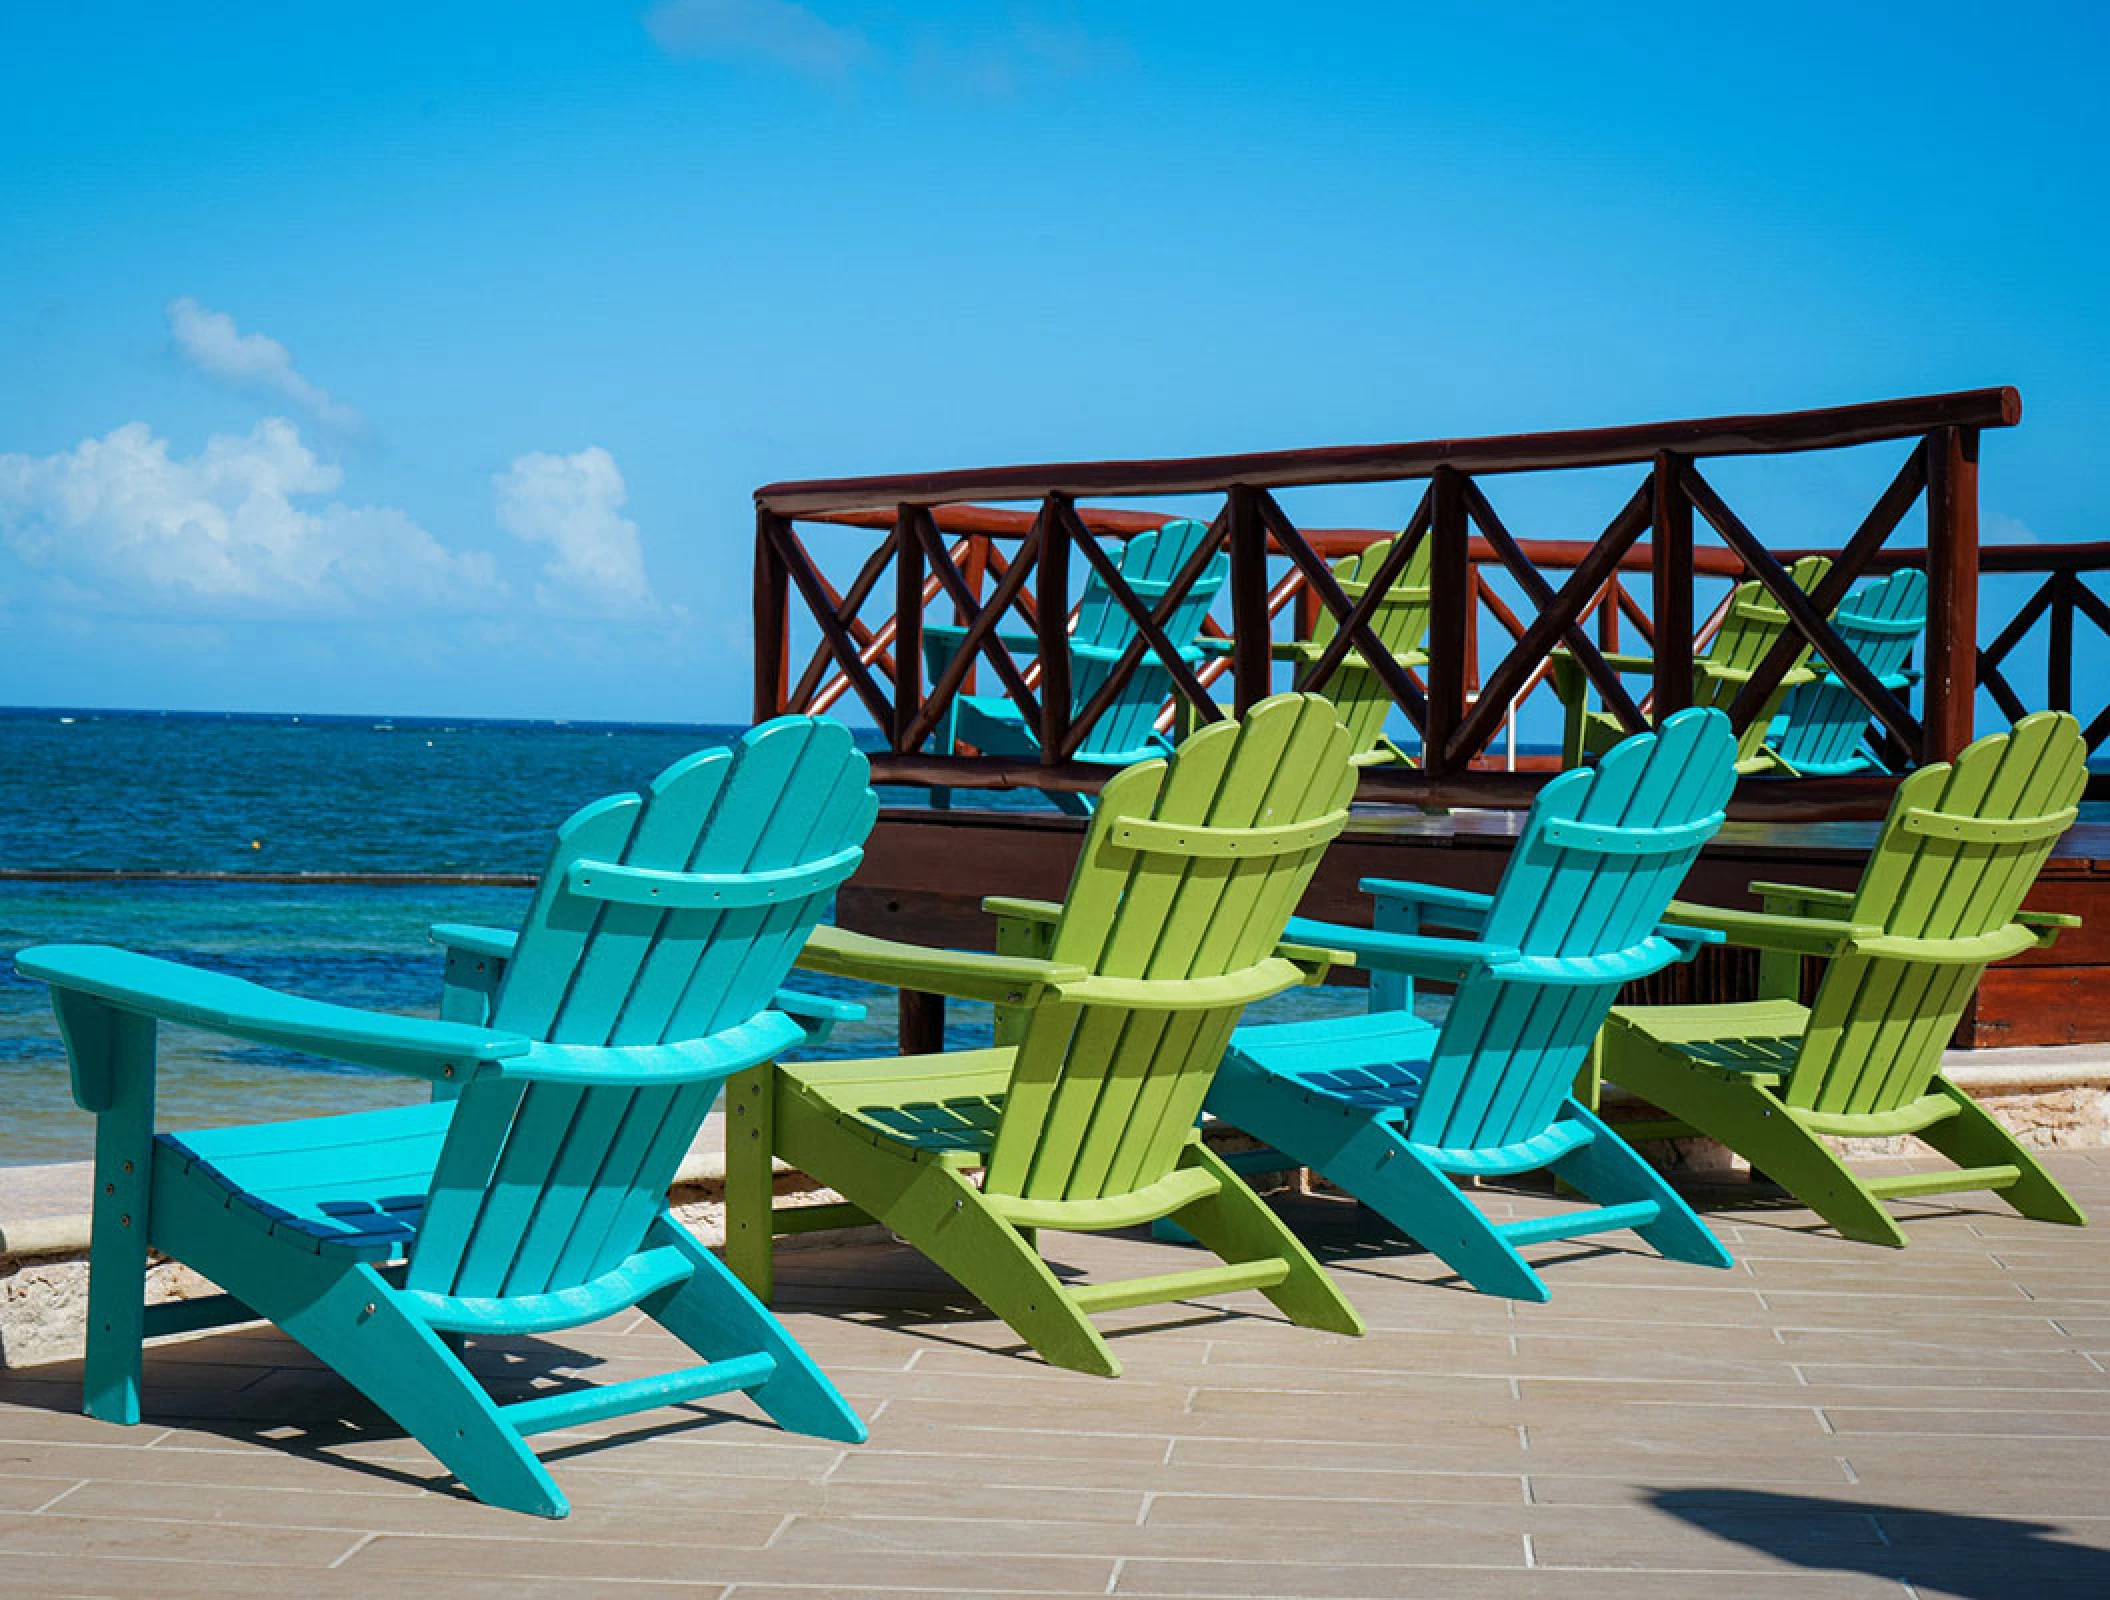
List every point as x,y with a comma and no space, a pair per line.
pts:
150,791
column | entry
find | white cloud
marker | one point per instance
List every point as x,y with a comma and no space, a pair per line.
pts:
573,504
120,521
1997,527
780,32
210,341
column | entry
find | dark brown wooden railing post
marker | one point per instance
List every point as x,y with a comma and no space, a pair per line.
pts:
1051,624
1252,667
1670,600
1952,590
920,1023
908,628
1450,615
772,619
2058,654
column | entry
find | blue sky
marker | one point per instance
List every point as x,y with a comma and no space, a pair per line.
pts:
423,359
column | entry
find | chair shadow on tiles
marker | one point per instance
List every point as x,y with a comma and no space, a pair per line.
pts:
299,1407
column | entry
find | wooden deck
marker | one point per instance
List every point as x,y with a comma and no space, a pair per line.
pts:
1825,1420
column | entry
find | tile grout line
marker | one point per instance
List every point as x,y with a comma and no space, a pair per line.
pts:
1531,1555
358,1545
1114,1577
55,1499
1143,1508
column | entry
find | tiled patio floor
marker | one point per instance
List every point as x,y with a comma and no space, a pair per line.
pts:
1825,1420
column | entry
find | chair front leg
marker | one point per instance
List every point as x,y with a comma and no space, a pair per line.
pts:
112,1057
750,1182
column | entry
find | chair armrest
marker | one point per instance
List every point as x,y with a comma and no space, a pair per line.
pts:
1759,930
1463,909
171,992
1106,652
816,1014
1445,960
1612,659
1042,912
1800,900
962,974
952,633
1793,675
1316,962
496,943
1690,941
2047,925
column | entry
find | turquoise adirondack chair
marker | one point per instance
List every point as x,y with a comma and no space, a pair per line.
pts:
1127,731
533,1197
1396,1111
1822,728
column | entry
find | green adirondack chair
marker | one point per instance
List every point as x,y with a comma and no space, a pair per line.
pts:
1753,622
534,1196
1938,902
1822,729
1117,1005
1396,1111
1401,623
1126,731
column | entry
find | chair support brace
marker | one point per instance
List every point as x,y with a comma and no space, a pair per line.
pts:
640,1394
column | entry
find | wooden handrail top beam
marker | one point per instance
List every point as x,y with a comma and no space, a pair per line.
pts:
1765,434
1555,554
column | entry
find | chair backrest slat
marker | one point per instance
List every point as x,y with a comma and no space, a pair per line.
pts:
1601,856
1102,1096
664,917
1880,1020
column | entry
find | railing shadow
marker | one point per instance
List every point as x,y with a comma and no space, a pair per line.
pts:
1957,1554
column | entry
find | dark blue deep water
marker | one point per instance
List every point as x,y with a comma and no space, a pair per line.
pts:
127,790
148,791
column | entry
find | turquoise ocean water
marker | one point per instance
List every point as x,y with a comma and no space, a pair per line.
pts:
252,794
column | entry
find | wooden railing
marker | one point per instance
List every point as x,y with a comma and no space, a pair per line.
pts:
989,566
